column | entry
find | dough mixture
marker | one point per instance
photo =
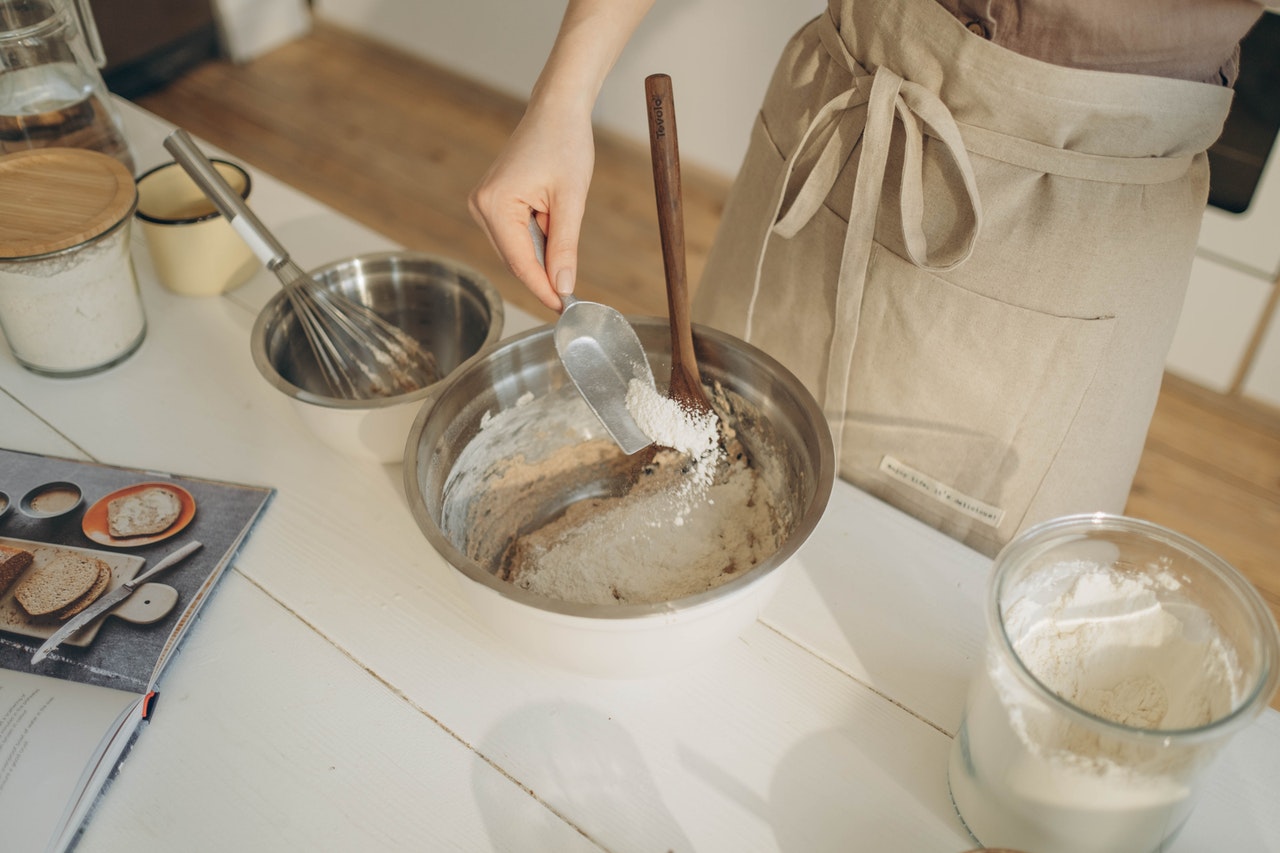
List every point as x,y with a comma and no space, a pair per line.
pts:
545,499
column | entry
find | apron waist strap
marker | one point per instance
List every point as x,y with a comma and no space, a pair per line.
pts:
1072,164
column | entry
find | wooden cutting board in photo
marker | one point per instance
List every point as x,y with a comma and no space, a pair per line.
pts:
57,582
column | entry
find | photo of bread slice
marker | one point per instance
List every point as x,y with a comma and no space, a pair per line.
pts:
98,588
12,562
59,583
143,513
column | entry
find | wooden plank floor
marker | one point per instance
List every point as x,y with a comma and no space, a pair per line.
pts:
397,144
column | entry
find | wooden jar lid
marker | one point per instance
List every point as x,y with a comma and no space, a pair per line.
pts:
55,198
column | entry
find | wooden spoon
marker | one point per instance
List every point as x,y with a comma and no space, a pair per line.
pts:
686,381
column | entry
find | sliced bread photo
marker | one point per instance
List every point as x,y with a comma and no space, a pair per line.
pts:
143,513
98,588
12,562
59,583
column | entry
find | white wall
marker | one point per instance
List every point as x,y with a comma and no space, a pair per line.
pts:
719,53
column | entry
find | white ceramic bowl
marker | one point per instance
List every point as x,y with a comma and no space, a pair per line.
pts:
450,309
615,640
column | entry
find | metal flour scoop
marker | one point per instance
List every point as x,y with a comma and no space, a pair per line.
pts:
602,354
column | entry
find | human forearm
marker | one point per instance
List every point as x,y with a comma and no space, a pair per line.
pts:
592,36
545,168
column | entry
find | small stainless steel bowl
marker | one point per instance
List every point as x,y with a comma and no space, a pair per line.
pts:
626,640
447,307
51,500
5,503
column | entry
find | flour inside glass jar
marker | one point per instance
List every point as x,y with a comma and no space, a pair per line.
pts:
543,497
1126,649
74,310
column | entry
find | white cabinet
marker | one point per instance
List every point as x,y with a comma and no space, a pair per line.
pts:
1263,379
1229,335
1223,307
1230,300
1251,238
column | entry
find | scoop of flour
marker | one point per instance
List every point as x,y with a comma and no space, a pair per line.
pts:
670,424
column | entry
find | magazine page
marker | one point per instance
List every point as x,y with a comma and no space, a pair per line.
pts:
72,535
90,528
52,733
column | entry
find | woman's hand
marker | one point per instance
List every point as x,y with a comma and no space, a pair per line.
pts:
544,169
546,166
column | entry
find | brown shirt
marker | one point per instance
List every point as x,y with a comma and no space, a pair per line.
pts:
1187,39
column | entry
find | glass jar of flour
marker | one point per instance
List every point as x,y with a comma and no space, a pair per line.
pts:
69,302
1121,657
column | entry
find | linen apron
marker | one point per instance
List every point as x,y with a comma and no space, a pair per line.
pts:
974,260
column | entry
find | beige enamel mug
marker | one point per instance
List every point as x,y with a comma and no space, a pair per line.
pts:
193,248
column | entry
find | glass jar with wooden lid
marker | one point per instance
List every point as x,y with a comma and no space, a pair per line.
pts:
69,301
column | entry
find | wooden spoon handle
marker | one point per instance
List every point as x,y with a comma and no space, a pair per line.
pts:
686,383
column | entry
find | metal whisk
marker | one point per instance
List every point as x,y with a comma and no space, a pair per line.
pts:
360,354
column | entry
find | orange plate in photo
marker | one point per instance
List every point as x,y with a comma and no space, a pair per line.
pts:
95,518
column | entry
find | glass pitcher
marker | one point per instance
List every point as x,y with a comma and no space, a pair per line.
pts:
51,90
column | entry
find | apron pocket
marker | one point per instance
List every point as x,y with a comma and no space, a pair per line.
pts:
958,403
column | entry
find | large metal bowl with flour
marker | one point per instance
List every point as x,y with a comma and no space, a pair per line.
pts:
615,639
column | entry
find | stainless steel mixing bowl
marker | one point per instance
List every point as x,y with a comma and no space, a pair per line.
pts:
452,310
631,639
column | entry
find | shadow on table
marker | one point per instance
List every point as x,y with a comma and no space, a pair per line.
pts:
585,769
818,799
910,808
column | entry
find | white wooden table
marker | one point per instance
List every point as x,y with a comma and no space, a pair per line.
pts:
337,693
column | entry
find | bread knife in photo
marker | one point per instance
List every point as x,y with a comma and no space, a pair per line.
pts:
108,600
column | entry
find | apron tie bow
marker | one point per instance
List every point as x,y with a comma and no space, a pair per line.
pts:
866,113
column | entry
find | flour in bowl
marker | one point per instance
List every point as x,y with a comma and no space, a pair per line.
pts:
543,499
693,435
671,424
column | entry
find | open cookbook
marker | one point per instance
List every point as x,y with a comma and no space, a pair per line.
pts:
77,540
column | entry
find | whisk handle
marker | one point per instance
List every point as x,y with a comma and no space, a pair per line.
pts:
225,199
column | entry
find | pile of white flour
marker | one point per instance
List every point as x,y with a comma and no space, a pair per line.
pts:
76,310
1110,644
696,436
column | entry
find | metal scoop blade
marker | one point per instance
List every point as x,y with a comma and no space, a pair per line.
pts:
602,354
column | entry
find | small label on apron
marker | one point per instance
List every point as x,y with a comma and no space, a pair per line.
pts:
941,492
